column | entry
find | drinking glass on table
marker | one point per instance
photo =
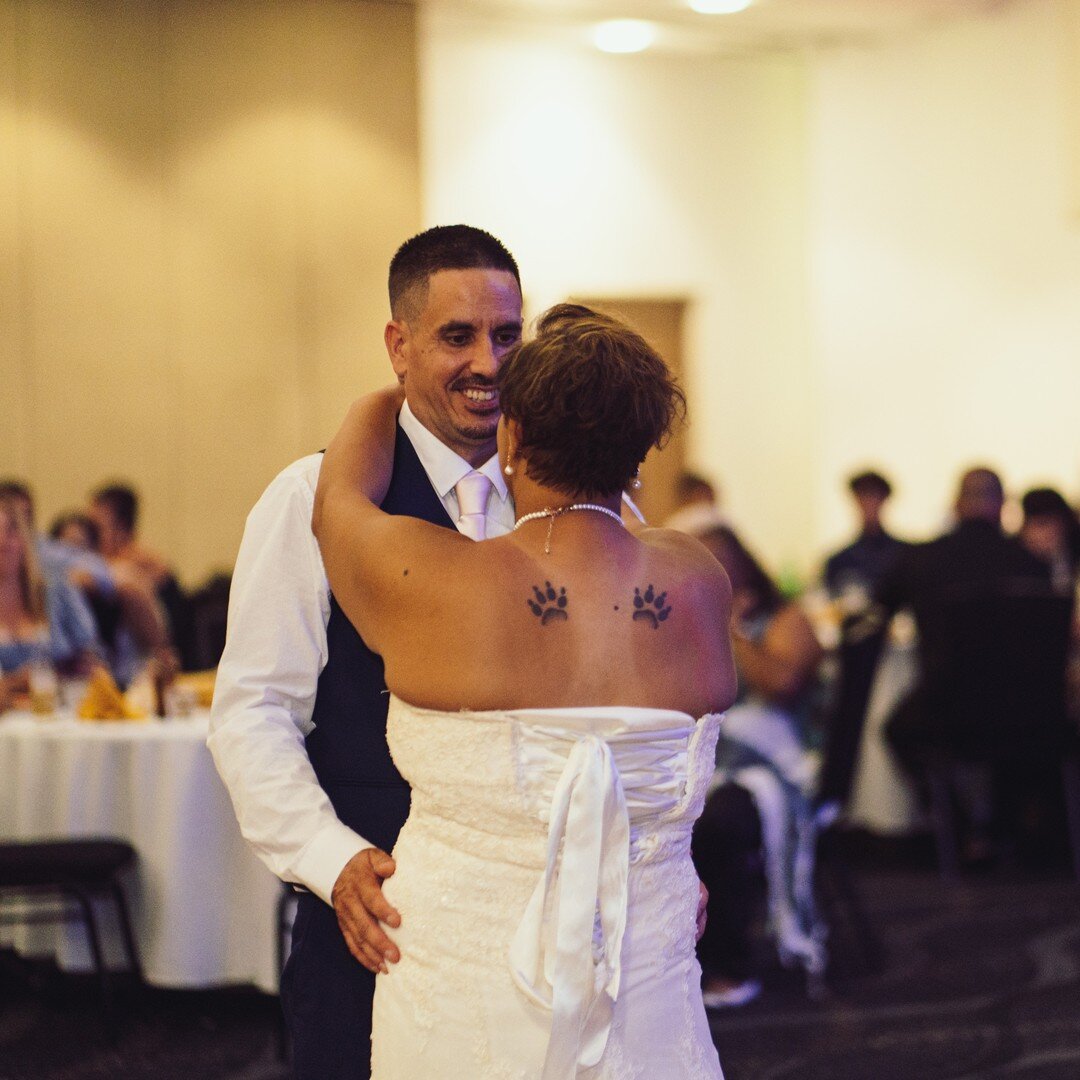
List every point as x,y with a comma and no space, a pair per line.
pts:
44,687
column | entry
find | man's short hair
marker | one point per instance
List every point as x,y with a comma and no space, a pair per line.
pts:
1046,502
15,489
981,484
870,483
691,485
122,502
10,488
444,247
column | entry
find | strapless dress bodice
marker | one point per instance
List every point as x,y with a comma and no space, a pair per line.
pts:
497,772
551,815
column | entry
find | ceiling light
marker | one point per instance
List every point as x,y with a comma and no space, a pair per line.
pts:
624,35
720,7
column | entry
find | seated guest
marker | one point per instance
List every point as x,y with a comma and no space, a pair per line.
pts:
41,618
84,567
114,509
863,563
766,749
698,505
75,529
1051,530
976,558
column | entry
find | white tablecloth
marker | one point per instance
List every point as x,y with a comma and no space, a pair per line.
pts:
882,798
203,907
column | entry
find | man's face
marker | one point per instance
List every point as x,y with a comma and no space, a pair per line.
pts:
869,506
110,536
1044,536
448,350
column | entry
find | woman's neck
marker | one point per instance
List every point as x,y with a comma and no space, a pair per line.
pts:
535,499
583,514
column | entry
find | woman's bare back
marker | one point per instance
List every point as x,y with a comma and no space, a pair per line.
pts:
605,618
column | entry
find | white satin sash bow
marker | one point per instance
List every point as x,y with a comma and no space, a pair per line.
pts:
566,953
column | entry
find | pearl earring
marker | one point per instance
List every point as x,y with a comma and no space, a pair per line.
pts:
508,469
636,482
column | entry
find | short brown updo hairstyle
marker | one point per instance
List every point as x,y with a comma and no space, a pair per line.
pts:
591,396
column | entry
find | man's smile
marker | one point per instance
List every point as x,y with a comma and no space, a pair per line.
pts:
482,398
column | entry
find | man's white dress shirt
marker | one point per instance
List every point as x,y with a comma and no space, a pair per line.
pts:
275,650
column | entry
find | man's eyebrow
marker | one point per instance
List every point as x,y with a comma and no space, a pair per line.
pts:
455,326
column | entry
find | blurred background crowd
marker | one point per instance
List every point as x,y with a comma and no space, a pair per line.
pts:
86,596
858,692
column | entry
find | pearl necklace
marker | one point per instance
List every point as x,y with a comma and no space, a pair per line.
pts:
551,515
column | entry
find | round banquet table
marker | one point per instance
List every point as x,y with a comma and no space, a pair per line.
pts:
204,908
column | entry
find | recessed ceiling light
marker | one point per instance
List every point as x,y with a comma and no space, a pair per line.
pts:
720,7
624,35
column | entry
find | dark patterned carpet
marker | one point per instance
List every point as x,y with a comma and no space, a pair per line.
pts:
977,981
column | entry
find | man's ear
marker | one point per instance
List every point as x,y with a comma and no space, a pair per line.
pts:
396,337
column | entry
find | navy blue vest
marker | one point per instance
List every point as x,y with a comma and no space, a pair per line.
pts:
348,747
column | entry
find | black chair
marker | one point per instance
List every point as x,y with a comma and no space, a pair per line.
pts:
993,694
208,611
37,875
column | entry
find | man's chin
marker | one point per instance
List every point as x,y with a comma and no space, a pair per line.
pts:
479,434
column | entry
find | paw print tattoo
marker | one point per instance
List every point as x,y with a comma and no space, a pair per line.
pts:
549,605
649,607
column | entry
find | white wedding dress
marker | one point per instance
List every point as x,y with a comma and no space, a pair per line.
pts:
547,897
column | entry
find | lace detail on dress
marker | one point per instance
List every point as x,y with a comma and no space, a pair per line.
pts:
484,824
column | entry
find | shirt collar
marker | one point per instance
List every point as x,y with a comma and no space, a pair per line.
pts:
443,466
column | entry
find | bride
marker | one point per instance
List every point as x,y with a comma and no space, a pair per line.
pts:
554,706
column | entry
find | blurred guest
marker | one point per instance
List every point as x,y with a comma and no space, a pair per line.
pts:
766,750
1051,531
861,565
975,556
698,506
42,620
130,620
75,529
84,567
114,509
974,559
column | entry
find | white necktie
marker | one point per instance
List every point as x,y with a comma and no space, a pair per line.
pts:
472,495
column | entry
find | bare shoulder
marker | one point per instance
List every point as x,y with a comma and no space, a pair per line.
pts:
689,554
674,541
690,573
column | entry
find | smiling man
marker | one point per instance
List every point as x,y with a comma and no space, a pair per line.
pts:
448,361
298,727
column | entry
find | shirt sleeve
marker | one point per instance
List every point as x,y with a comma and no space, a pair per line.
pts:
265,691
64,558
71,623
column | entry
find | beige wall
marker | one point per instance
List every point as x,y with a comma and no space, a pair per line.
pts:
946,268
878,245
652,176
198,201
